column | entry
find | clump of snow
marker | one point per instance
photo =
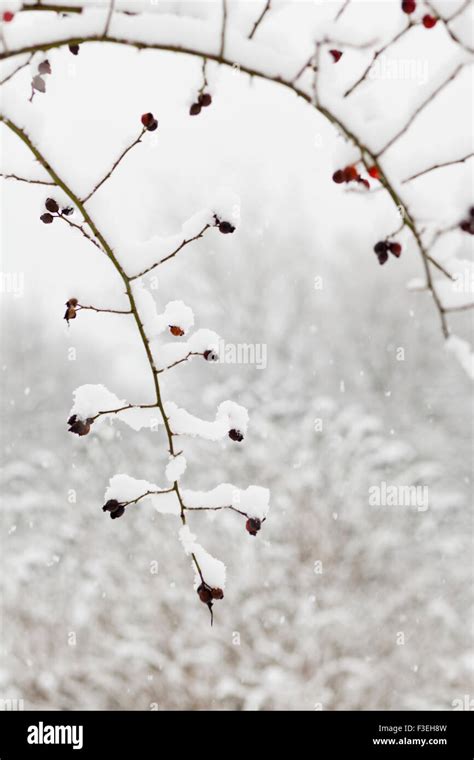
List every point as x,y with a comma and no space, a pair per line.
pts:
463,353
175,468
176,313
229,416
416,284
125,488
146,254
213,570
254,500
90,399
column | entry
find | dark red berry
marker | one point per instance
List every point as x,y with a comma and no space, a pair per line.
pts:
336,54
149,122
471,211
253,525
236,435
8,16
350,174
338,177
79,427
429,21
175,330
396,249
226,228
67,211
210,355
382,257
408,6
110,505
74,49
205,593
46,218
217,593
204,99
114,507
364,182
380,247
51,205
195,109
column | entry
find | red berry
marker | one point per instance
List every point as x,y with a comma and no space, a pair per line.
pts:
177,331
338,177
408,6
253,525
382,257
226,228
217,593
380,247
46,218
8,16
205,594
395,248
149,122
336,54
350,174
429,21
205,99
374,172
51,205
210,355
195,109
364,182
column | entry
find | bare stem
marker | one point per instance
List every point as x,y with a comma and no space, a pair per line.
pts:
114,165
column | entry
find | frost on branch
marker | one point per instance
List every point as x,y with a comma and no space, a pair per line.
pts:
231,419
126,490
176,313
253,501
175,468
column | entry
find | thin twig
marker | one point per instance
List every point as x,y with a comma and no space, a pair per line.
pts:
25,179
80,228
463,307
180,361
260,19
123,409
114,166
223,28
418,110
438,166
446,20
170,255
15,71
109,17
341,10
377,53
80,306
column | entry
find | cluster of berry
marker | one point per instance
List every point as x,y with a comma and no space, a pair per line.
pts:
53,210
384,247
